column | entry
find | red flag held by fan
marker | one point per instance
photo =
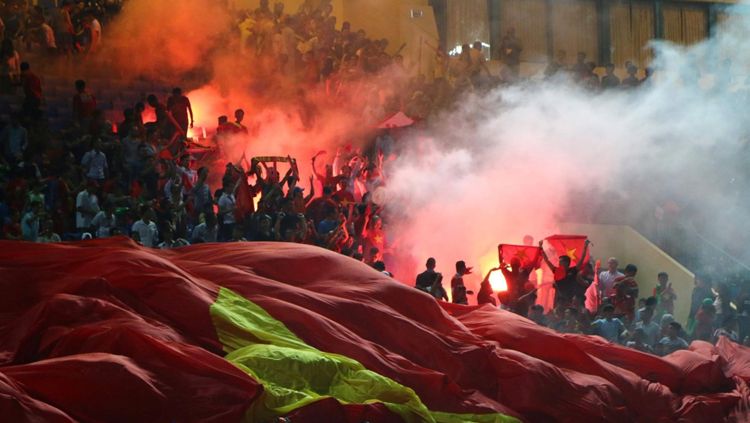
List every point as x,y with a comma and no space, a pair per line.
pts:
571,246
529,256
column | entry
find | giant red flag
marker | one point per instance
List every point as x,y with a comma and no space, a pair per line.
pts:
108,331
571,246
528,255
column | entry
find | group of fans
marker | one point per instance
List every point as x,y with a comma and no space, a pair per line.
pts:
604,303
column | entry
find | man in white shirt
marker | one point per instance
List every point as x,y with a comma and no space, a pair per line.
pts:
651,329
226,212
94,162
607,278
104,221
206,231
87,206
146,228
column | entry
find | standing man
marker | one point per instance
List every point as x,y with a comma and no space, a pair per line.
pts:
161,126
426,279
32,90
63,27
201,194
239,128
179,105
607,278
227,205
94,163
566,277
665,295
458,289
84,106
145,228
610,80
510,52
87,206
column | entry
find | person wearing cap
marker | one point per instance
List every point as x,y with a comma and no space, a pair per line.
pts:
458,289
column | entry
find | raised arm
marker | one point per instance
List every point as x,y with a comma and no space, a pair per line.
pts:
546,259
317,175
312,191
582,260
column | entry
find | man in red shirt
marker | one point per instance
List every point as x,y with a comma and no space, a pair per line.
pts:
84,105
626,293
32,90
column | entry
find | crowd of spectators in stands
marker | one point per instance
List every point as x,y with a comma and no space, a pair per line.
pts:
139,179
647,324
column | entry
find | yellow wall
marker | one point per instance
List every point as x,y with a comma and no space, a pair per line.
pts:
629,246
391,19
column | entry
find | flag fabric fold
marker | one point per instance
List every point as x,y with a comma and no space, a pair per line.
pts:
109,331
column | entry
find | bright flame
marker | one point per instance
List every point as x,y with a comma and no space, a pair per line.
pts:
149,114
497,281
207,106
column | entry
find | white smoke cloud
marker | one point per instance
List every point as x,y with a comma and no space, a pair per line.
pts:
510,162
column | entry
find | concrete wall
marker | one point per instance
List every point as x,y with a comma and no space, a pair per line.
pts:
629,246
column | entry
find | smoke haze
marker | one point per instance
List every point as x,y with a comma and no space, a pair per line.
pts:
498,166
520,160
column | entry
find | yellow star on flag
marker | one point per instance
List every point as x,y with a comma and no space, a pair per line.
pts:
572,254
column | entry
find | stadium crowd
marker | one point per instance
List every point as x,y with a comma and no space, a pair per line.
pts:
608,303
138,178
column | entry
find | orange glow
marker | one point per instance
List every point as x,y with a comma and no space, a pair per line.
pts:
206,109
497,281
488,262
149,114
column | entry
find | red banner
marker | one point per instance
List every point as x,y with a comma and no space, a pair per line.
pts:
569,245
530,256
